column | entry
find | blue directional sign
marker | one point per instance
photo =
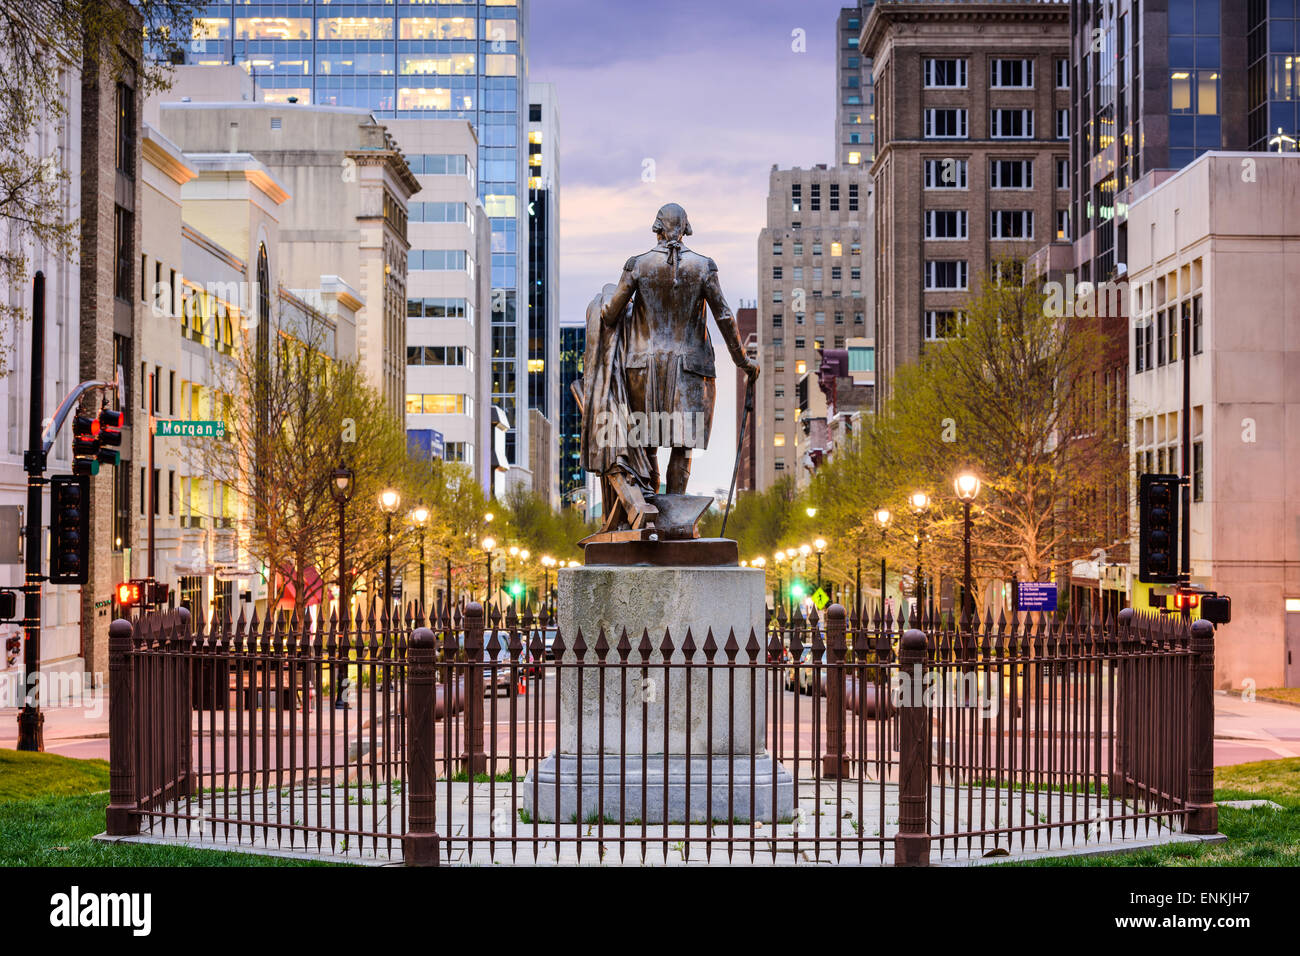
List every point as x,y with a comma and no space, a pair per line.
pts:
1036,596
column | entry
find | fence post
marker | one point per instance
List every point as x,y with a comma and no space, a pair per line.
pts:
1203,813
474,759
184,648
420,841
1124,676
835,763
912,842
121,817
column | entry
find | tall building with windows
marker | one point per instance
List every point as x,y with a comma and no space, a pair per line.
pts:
414,61
573,479
855,96
811,280
544,274
972,158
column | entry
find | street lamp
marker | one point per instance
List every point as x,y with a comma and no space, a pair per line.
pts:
967,486
388,502
420,516
523,574
341,489
820,545
548,562
810,512
780,576
919,501
488,544
882,519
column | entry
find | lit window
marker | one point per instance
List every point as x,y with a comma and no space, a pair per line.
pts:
800,367
837,249
436,28
855,158
778,440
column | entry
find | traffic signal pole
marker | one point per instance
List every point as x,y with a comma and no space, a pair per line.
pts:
151,482
1186,457
40,439
31,721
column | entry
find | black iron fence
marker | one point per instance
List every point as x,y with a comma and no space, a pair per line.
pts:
843,738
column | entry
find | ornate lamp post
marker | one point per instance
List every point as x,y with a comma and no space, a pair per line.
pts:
820,545
388,502
780,576
421,516
919,501
967,486
548,562
341,488
882,519
488,544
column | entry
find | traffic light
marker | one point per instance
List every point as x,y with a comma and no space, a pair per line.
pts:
516,589
69,528
1158,528
1186,600
85,445
8,605
1216,608
110,434
796,590
129,593
158,592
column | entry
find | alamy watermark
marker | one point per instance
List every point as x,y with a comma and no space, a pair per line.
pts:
623,428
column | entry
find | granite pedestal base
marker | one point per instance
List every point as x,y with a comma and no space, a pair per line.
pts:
580,796
717,714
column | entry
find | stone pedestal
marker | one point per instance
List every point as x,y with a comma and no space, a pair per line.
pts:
659,722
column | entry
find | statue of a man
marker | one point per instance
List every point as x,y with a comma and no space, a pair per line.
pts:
667,355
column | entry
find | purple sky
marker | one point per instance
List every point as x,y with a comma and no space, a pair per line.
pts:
713,93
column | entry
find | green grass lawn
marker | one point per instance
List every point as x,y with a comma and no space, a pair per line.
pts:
1260,837
51,807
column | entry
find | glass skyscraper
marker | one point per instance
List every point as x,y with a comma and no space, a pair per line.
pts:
412,60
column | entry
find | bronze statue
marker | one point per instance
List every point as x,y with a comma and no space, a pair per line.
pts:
649,376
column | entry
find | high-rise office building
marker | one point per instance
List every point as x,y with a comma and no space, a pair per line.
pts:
855,96
457,60
573,479
811,266
972,158
544,273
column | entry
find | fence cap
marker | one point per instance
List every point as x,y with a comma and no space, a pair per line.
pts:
120,628
423,637
835,611
914,640
1202,630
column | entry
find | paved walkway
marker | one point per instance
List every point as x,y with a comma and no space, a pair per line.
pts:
485,827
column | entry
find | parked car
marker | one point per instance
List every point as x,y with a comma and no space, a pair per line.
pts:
803,674
502,679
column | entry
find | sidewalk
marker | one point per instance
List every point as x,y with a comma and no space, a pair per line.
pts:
1244,731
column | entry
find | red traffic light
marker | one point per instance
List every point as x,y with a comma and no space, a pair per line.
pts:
1186,600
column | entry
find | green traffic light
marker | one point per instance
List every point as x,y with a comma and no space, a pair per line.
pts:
516,588
796,590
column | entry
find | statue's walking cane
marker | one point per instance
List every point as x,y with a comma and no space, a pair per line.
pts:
740,444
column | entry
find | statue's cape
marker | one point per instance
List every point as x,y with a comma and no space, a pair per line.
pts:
605,424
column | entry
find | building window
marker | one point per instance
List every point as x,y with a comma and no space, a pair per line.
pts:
1011,224
1011,174
796,197
945,224
1198,471
444,404
1062,73
776,272
815,197
945,274
835,196
945,174
776,248
1063,124
853,197
1196,325
1011,74
1062,224
1011,124
126,130
779,464
943,325
778,440
123,233
945,74
1062,173
945,123
799,342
